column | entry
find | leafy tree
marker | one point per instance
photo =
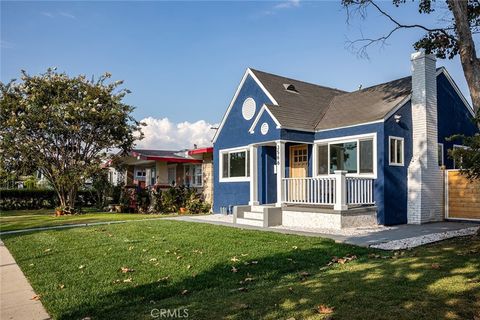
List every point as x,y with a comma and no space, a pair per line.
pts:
63,126
453,37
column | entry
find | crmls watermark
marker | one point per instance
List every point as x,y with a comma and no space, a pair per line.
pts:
169,313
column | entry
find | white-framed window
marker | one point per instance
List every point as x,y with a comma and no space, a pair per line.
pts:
355,154
396,152
440,154
172,174
234,165
140,173
193,175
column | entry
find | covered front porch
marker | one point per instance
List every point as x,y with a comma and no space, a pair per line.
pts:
291,184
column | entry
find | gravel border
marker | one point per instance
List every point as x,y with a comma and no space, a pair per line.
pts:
421,240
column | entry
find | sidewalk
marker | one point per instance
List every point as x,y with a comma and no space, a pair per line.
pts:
15,292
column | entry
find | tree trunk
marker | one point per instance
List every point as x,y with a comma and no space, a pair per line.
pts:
468,55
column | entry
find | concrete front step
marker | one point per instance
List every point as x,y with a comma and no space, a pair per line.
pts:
259,208
250,222
253,215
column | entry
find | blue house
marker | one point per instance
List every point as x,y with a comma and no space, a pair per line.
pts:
299,154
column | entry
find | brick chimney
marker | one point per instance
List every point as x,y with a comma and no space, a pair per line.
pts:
425,183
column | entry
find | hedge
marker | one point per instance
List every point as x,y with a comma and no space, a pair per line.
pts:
22,199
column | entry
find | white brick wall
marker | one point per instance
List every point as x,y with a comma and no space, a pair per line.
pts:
425,184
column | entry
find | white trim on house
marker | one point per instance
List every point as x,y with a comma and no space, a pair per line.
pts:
349,126
398,164
257,119
225,116
220,164
398,107
353,138
443,158
454,85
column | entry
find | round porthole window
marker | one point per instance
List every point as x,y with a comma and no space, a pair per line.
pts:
264,128
248,108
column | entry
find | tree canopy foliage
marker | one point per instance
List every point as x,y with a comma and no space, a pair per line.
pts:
63,126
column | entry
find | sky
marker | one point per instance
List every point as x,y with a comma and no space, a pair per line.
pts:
184,60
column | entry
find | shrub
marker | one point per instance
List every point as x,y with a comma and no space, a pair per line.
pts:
172,199
23,199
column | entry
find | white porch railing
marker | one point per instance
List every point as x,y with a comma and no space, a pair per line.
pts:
338,190
309,190
359,191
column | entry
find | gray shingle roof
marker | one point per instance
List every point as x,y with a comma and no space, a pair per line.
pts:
314,107
301,109
365,105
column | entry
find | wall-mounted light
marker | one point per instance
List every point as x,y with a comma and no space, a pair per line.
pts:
397,118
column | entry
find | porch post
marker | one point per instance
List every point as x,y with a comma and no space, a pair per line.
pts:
148,177
253,176
340,190
280,163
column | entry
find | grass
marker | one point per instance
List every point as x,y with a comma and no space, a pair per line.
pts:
77,273
26,219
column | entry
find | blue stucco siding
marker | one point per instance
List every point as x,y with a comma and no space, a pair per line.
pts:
453,117
272,134
396,189
377,128
235,134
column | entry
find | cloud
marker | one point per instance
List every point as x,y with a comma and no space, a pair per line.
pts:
287,4
52,15
164,134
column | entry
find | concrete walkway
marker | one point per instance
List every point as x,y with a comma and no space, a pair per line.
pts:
365,239
16,293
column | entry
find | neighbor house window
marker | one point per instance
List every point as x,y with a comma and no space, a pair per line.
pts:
193,175
172,175
440,154
235,164
141,173
355,157
396,154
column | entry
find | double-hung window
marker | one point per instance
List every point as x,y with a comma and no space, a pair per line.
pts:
193,175
356,156
235,165
396,151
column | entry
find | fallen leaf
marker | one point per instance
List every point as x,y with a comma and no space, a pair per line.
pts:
435,266
153,260
304,274
241,306
254,262
323,309
87,318
131,248
31,265
188,267
167,251
127,280
184,292
61,286
234,270
234,259
81,267
248,279
144,250
179,257
164,278
125,270
294,247
290,289
292,318
244,254
242,289
35,297
47,250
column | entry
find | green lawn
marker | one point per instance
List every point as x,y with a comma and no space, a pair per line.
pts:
219,272
25,219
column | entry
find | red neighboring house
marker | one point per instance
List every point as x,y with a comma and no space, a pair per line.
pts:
165,168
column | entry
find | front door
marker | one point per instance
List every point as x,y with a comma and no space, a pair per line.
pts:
298,169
